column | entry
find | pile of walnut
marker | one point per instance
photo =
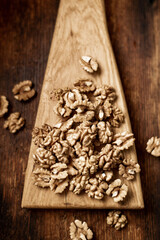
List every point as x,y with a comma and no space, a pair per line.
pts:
81,152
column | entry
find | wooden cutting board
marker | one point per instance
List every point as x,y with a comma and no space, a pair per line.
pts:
81,29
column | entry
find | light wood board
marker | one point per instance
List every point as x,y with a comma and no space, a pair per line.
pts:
81,29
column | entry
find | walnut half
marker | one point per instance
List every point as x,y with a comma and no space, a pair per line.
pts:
23,91
3,105
88,64
116,219
80,231
14,122
153,146
117,190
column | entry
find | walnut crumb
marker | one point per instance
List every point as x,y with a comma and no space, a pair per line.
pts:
23,91
14,122
116,219
3,105
153,146
88,64
79,231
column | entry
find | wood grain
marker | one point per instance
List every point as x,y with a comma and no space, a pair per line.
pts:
26,29
80,30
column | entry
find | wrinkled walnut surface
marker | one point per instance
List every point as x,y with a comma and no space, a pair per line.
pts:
3,105
23,91
79,231
153,146
129,168
14,122
80,153
116,219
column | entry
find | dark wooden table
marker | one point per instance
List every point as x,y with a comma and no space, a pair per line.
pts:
26,29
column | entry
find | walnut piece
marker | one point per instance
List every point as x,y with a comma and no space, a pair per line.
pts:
123,140
117,190
85,85
116,219
79,231
153,146
44,157
3,105
96,188
129,168
14,122
23,91
88,64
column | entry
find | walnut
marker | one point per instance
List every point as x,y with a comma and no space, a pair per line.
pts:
23,91
88,64
109,157
104,132
39,134
153,146
103,110
129,168
77,183
62,151
61,186
105,92
80,231
105,175
3,105
117,117
116,219
44,158
71,97
87,132
117,190
83,150
14,122
63,111
44,179
80,117
59,171
85,85
46,139
123,140
72,136
96,187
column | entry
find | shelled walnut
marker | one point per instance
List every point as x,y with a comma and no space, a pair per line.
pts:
153,146
80,152
85,85
129,168
23,91
3,105
116,219
96,188
14,122
117,190
79,231
88,64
